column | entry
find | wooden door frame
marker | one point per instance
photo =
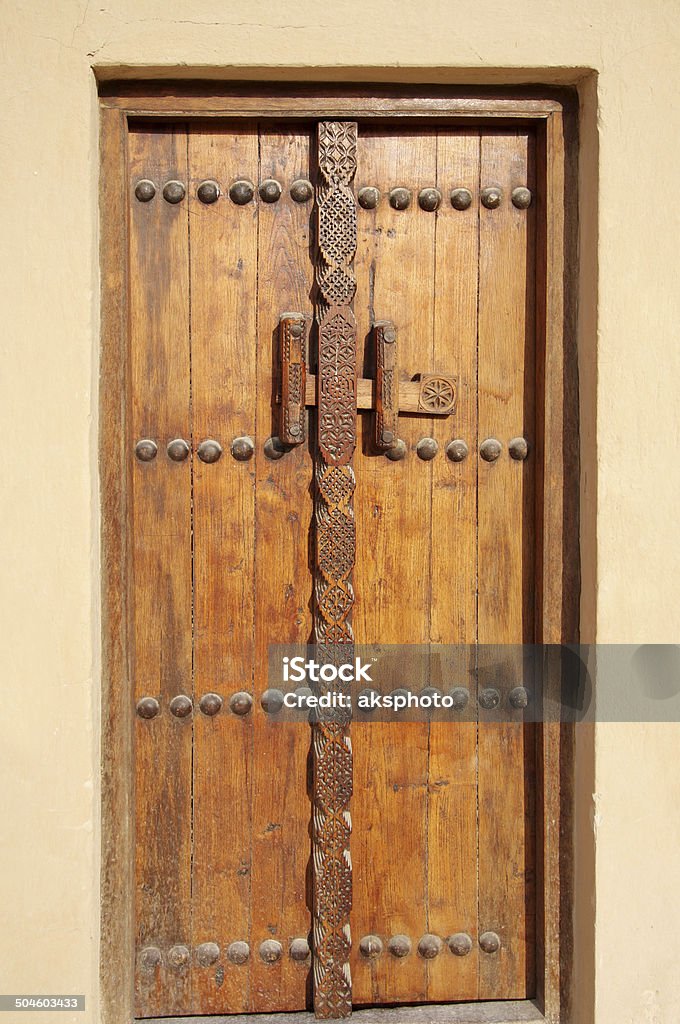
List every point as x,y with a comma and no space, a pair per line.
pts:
553,114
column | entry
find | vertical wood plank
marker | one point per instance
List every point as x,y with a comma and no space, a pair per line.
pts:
223,251
161,563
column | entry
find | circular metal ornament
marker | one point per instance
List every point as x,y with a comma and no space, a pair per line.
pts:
272,701
146,450
241,192
400,198
430,946
519,697
427,448
274,448
301,190
209,450
491,197
240,703
150,958
397,452
461,198
145,190
457,450
178,450
210,704
489,698
270,951
242,448
208,192
460,697
181,706
270,190
207,954
178,956
429,199
489,942
174,192
299,950
521,198
490,449
238,952
364,698
368,197
460,944
399,946
518,448
148,707
370,946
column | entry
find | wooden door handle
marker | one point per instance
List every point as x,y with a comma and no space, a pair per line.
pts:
293,330
386,384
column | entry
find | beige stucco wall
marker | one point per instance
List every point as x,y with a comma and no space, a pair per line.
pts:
629,794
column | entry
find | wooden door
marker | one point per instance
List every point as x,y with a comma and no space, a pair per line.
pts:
444,848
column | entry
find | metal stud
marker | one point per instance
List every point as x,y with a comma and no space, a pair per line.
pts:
207,954
240,703
270,951
238,952
146,450
299,950
368,197
174,192
397,452
178,956
518,448
427,448
364,698
399,946
519,697
457,450
145,190
370,946
210,704
181,706
272,701
208,192
274,448
491,197
150,958
209,450
400,198
490,449
242,448
241,192
430,946
148,707
459,697
461,198
429,199
460,944
521,198
270,190
178,450
489,942
489,698
301,190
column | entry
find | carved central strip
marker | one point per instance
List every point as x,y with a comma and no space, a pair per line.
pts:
334,559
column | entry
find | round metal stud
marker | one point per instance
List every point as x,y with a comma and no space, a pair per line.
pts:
460,697
270,951
491,197
242,448
241,192
299,950
207,954
399,946
460,944
174,192
178,956
400,198
301,190
370,946
489,942
430,691
270,190
274,448
430,946
210,704
519,697
521,198
209,450
457,450
397,452
178,450
389,335
489,698
145,190
429,199
146,450
368,197
240,703
148,707
518,448
490,449
461,198
427,448
272,701
364,698
180,706
208,192
150,958
238,952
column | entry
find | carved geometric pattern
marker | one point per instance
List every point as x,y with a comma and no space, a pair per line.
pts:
437,394
292,348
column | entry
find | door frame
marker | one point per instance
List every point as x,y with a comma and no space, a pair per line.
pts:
553,113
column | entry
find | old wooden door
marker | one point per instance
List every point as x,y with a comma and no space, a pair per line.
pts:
443,846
